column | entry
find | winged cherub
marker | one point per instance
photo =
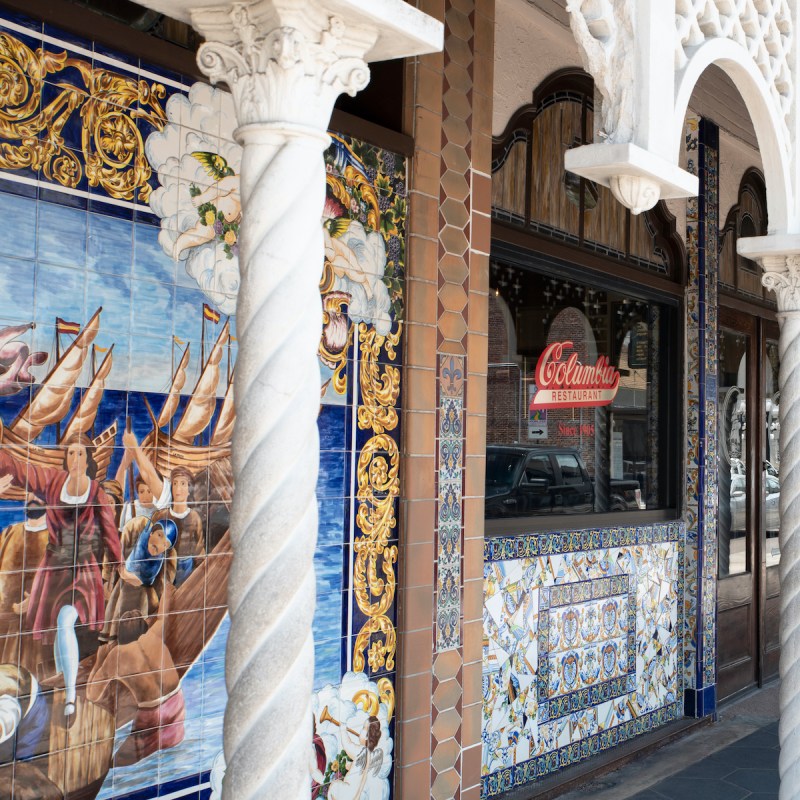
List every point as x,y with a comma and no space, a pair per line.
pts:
219,207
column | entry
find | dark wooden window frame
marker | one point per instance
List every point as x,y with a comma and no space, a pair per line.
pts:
575,85
515,243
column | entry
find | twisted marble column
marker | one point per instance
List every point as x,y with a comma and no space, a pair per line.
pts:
284,85
285,63
782,274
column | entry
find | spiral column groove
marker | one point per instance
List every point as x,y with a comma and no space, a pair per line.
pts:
284,84
782,274
789,727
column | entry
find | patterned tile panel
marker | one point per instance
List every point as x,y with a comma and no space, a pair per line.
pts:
451,460
582,646
700,556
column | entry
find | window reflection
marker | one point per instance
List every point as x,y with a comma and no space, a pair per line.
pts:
579,418
772,484
732,444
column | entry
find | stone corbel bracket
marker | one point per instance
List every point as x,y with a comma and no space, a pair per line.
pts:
636,177
628,48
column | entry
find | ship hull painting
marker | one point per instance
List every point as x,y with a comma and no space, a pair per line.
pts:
75,754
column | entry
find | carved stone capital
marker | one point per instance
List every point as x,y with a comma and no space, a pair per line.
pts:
284,62
782,276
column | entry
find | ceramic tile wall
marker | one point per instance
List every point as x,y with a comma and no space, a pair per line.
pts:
702,217
120,182
449,113
582,646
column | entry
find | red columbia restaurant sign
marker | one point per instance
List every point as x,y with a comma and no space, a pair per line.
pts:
563,382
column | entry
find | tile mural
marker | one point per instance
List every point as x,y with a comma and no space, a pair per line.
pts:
701,142
582,646
117,360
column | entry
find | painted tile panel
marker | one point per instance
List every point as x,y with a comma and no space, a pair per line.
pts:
581,646
117,356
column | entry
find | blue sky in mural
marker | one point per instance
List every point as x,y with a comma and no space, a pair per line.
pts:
92,260
328,557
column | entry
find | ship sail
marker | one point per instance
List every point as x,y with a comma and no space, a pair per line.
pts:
223,430
203,401
178,380
51,402
84,416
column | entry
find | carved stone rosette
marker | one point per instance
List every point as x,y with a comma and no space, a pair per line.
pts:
284,84
782,275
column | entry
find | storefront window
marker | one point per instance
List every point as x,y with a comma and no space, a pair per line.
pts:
582,412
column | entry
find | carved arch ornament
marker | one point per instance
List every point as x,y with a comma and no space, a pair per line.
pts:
635,65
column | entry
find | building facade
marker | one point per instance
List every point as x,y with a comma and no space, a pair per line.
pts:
524,497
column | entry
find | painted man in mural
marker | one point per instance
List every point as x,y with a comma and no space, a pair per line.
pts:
141,662
22,547
190,547
81,532
142,506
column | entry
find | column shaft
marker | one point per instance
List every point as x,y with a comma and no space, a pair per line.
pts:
789,728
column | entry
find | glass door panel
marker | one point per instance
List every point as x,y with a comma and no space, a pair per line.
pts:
772,464
734,494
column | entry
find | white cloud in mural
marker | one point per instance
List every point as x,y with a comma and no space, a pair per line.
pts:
198,167
350,705
358,259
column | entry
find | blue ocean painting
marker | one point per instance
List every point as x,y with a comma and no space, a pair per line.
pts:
332,498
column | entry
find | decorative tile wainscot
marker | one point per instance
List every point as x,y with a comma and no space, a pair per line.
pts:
581,646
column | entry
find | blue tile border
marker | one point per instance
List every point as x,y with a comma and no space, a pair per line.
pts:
533,545
700,702
540,766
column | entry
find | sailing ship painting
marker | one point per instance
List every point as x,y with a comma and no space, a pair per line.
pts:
71,754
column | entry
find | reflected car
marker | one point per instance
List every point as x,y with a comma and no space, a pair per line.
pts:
527,480
738,504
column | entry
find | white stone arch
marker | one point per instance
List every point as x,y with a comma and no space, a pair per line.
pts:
768,122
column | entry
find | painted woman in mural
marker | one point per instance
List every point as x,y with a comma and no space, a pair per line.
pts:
150,565
81,531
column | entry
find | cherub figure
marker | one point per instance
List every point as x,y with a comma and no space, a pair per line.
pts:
366,757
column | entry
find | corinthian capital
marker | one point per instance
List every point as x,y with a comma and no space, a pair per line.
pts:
779,257
782,275
284,62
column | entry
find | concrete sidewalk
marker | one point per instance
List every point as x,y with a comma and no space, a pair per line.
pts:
734,759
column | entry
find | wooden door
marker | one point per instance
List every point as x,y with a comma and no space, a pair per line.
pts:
738,520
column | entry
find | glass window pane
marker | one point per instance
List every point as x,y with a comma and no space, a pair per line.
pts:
539,468
581,380
733,517
772,468
570,468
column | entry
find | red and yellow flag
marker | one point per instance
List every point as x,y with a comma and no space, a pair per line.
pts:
62,326
210,313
